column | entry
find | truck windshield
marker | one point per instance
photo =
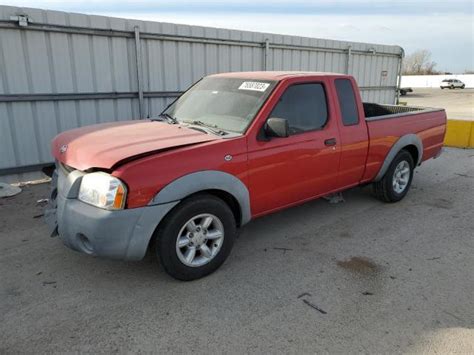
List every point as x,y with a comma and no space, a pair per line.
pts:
229,104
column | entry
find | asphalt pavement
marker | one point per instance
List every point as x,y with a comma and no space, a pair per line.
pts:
458,103
358,276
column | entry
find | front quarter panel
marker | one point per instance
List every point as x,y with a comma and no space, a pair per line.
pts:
146,177
206,180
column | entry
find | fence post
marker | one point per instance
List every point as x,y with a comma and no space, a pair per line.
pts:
399,76
138,56
348,63
266,53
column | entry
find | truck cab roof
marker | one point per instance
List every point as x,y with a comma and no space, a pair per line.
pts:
274,75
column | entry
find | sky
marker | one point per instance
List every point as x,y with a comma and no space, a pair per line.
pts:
445,27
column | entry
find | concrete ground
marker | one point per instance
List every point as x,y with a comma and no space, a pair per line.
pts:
459,103
360,276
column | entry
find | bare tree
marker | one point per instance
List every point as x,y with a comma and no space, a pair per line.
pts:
419,63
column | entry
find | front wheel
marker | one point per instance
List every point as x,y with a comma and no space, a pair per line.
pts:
196,237
397,180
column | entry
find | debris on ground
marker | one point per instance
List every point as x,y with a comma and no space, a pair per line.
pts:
464,175
312,305
7,190
334,198
42,201
33,182
49,283
283,249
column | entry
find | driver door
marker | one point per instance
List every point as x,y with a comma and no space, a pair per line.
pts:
287,171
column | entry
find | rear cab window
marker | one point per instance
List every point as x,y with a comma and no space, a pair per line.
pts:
347,102
304,106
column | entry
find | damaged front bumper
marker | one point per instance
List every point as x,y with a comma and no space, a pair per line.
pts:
123,234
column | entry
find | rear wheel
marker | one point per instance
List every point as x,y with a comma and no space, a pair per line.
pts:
397,180
196,237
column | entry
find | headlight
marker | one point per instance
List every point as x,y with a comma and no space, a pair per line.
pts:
103,190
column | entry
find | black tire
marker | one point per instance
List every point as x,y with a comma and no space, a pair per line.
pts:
169,229
462,87
384,189
451,87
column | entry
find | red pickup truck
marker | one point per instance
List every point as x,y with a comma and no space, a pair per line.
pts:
232,148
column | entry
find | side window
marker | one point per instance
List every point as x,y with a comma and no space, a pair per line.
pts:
347,102
304,106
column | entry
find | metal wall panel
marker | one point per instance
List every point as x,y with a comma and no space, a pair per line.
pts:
65,70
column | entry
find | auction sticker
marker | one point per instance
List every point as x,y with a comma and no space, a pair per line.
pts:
254,86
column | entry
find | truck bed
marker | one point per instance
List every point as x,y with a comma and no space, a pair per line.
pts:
377,111
387,123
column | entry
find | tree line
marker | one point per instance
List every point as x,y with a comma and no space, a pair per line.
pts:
419,63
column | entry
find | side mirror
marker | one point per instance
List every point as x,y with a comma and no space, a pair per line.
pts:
277,127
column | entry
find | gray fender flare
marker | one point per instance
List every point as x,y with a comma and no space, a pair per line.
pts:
206,180
409,139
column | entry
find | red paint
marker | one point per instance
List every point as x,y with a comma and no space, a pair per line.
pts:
279,173
104,145
430,127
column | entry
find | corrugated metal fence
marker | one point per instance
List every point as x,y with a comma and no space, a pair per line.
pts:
60,70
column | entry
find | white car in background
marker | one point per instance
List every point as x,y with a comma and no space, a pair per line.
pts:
452,84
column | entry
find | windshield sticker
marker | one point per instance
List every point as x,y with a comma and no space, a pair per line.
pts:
254,86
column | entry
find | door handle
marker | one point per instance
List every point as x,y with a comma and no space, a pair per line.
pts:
330,141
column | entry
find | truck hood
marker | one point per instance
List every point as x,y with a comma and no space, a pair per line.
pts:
106,145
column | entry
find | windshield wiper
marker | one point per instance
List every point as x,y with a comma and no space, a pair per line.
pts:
214,129
165,116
